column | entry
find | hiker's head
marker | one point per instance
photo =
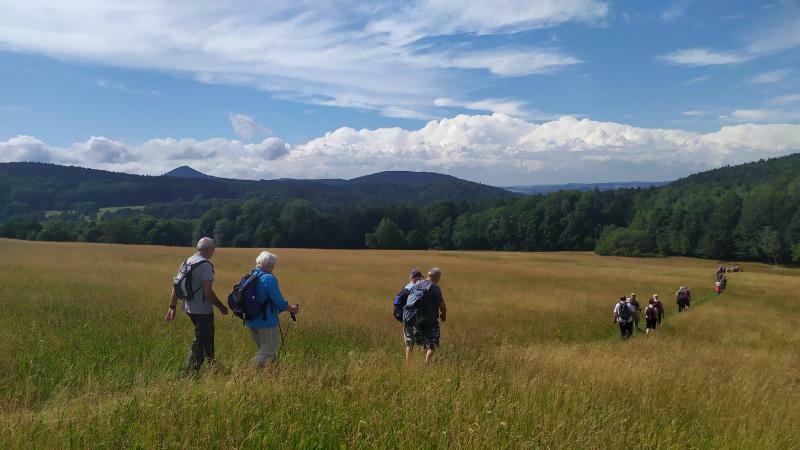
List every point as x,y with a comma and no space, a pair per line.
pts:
655,297
623,299
651,301
435,274
206,246
415,275
266,261
633,295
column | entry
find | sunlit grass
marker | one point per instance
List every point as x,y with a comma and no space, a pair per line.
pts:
529,355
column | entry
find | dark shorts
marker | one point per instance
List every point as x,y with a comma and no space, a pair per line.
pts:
651,323
425,336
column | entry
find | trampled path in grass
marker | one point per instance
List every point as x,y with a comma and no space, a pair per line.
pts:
529,355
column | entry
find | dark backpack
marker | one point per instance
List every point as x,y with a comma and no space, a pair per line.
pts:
413,311
651,313
624,313
243,300
399,302
182,281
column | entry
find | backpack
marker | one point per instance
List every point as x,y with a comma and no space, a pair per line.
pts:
415,302
243,299
182,281
651,313
399,302
624,312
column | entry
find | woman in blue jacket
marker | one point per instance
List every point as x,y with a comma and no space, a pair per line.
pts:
264,330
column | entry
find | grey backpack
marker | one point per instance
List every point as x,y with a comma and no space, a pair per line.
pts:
182,282
412,311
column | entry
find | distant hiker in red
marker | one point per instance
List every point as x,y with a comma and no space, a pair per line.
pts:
718,287
651,316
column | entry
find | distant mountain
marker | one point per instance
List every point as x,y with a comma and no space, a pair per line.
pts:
41,187
583,187
187,172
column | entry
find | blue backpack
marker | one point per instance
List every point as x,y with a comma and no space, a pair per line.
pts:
412,311
243,299
399,303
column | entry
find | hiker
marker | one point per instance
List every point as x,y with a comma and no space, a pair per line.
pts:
399,302
632,300
688,301
718,287
264,329
659,307
682,298
723,282
651,316
421,314
194,284
623,315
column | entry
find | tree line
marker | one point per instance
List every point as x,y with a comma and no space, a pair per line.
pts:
748,212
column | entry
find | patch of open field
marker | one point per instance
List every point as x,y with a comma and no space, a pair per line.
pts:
529,357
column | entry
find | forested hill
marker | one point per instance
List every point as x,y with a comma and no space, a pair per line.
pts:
745,212
37,187
743,177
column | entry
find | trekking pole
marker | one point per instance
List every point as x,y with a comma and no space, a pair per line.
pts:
286,335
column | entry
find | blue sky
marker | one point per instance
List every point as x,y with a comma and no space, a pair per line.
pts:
503,92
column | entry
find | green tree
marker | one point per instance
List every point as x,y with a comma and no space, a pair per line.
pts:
387,235
769,243
416,240
224,232
624,242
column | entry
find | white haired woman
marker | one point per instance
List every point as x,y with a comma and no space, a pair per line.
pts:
264,330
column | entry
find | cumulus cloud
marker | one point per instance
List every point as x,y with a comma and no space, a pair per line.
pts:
496,149
373,56
246,127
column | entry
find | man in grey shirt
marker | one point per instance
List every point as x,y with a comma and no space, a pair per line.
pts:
200,307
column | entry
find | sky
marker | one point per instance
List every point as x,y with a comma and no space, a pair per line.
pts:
503,92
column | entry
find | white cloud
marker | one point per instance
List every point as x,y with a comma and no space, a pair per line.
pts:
376,56
784,99
496,149
112,85
763,115
697,57
694,113
774,36
674,11
508,62
772,76
697,79
246,127
502,106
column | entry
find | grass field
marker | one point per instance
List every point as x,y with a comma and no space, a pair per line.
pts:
529,357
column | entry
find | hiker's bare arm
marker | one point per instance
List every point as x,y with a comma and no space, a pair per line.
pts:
208,292
443,309
173,298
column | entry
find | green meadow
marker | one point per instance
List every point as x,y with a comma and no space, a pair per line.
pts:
529,357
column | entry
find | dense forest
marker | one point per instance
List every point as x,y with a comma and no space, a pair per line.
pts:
746,212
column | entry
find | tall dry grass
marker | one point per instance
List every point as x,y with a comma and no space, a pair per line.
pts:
529,357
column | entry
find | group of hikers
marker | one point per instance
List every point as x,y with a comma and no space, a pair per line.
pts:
258,301
722,280
627,310
419,305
